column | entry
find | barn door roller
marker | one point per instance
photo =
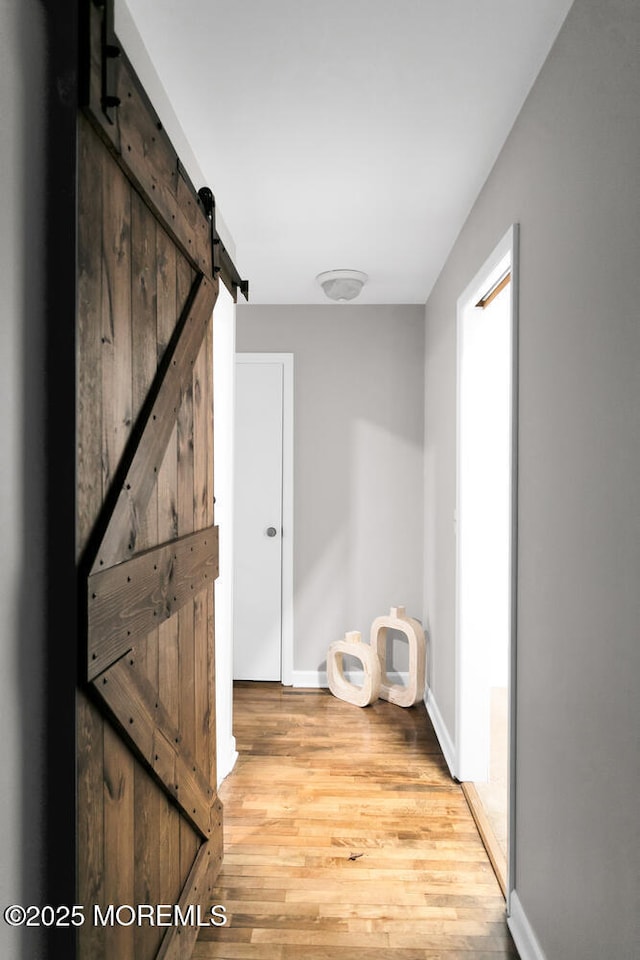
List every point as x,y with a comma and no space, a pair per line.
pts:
110,54
222,262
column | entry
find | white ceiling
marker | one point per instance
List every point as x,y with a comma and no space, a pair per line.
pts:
346,133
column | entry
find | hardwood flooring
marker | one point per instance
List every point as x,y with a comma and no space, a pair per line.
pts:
489,801
345,836
494,793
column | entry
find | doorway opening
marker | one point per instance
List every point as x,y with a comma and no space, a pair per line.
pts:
263,518
486,555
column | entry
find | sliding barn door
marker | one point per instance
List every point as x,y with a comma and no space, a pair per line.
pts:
148,817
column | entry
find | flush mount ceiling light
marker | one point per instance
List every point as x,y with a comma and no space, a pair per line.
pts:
342,285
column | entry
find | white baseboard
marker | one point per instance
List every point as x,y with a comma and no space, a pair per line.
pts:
443,735
309,678
316,679
522,932
226,759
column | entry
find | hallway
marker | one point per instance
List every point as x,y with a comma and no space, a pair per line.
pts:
346,837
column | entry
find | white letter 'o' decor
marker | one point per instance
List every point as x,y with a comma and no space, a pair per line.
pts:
396,692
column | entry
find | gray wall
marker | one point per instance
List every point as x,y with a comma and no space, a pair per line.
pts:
358,469
21,757
38,658
570,175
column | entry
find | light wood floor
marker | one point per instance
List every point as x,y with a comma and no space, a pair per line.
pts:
346,837
489,801
494,792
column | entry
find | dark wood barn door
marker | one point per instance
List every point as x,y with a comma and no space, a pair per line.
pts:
148,818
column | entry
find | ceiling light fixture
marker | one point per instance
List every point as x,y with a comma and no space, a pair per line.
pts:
342,285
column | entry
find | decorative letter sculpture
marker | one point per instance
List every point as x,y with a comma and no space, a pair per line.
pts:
396,692
338,684
373,657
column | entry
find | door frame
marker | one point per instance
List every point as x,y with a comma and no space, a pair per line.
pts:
286,639
506,250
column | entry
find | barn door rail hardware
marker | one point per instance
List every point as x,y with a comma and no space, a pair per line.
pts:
221,261
110,54
209,203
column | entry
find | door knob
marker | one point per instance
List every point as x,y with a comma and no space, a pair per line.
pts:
271,531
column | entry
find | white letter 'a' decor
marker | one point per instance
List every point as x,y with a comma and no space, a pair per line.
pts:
339,685
373,657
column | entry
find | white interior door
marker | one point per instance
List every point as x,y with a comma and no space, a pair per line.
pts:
486,528
258,520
